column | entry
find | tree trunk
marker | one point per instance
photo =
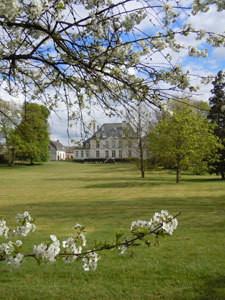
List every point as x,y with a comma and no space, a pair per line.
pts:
141,158
8,157
223,176
31,160
141,150
178,175
11,157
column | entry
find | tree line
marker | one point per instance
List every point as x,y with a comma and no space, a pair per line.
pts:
184,134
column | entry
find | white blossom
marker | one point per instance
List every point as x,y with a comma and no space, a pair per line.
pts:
24,230
6,248
16,261
122,249
83,239
90,261
163,221
78,226
18,243
48,253
3,229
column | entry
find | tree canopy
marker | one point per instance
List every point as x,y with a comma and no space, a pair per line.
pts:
10,115
84,53
31,138
183,139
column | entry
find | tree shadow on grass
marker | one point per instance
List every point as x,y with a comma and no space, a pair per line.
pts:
213,289
97,210
123,180
20,165
138,205
196,180
125,184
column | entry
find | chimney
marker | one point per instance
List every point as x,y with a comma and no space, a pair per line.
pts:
124,125
93,127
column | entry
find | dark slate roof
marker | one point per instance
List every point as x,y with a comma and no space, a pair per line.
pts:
113,130
110,130
57,145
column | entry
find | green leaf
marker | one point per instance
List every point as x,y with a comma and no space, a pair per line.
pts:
118,236
61,6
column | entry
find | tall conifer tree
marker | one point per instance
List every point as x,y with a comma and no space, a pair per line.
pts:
217,116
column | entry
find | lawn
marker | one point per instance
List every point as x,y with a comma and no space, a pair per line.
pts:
107,198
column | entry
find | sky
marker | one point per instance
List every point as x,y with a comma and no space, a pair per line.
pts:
211,21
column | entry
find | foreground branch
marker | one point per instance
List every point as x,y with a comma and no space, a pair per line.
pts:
161,224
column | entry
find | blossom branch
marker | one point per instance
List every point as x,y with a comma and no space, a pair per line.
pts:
161,224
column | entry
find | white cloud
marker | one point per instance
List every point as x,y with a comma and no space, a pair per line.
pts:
197,71
219,54
210,21
4,95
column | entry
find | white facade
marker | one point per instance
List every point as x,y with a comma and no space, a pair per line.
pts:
60,155
57,151
111,141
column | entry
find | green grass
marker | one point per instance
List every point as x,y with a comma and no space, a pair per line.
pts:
107,198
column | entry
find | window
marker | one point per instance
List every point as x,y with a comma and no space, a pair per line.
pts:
113,153
120,144
87,153
129,144
120,153
97,144
106,153
106,144
77,154
104,135
82,154
97,154
113,144
129,153
87,145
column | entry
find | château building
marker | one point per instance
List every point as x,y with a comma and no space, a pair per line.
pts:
111,141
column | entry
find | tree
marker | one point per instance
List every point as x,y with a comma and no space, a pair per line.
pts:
10,114
217,116
95,52
181,139
31,138
139,119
